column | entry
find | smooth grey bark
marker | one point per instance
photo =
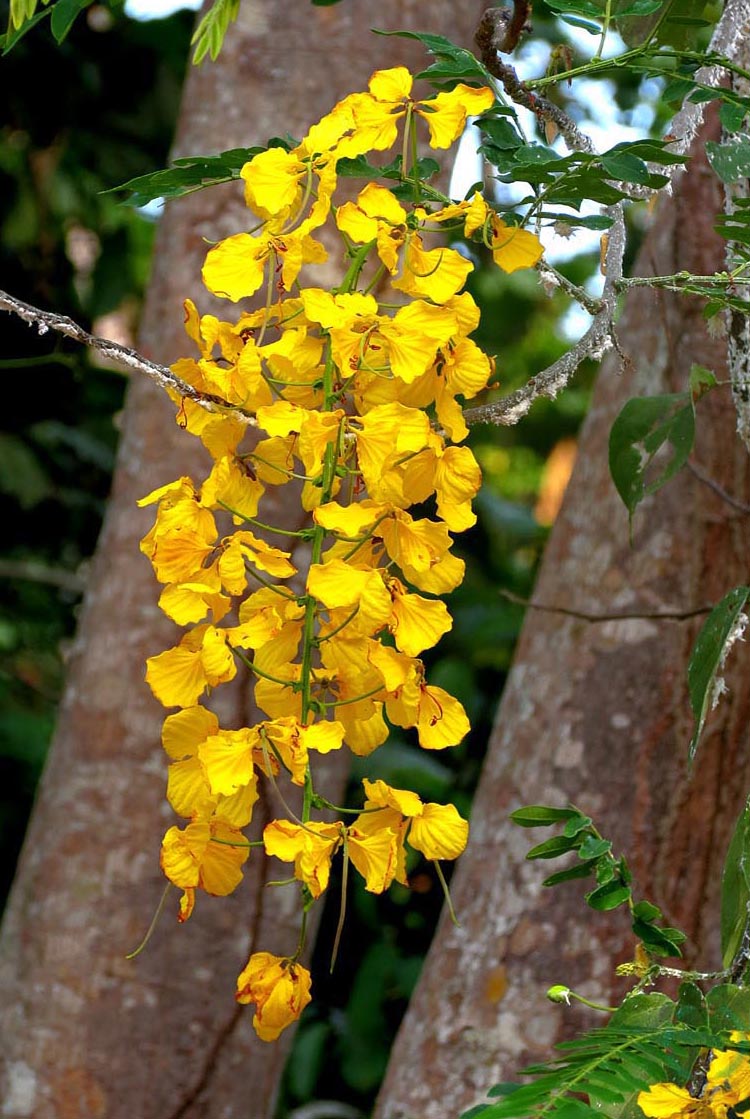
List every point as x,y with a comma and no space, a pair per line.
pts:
85,1033
597,713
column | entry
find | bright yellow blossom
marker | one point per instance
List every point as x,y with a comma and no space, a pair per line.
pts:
280,990
377,113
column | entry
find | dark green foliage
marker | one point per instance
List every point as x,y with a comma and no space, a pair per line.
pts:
708,655
735,889
612,875
649,1039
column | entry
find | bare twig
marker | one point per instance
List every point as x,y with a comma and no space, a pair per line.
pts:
161,374
701,475
593,344
622,616
32,572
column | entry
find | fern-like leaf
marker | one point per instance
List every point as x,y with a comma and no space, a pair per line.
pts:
210,32
602,1072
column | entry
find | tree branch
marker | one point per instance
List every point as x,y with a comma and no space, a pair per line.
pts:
623,616
593,344
123,355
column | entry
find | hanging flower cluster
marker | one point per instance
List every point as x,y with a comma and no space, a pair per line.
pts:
330,391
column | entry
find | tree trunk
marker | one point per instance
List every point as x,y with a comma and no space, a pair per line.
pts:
87,1034
597,713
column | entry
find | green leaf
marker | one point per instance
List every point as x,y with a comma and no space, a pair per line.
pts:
576,7
608,896
735,889
208,36
21,474
708,655
646,911
641,429
579,870
643,1011
186,176
64,15
702,380
589,221
730,161
14,35
553,848
625,166
454,63
584,24
728,1007
541,815
593,848
691,1006
640,8
576,824
731,116
659,941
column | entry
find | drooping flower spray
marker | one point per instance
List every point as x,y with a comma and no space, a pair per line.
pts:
353,397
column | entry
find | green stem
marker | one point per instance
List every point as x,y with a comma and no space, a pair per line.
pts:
342,910
319,640
446,891
260,524
302,936
349,283
605,29
354,699
149,932
259,671
271,586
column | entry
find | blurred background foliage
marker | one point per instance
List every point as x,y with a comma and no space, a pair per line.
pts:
66,246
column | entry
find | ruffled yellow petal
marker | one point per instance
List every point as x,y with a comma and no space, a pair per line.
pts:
439,832
235,267
228,760
442,720
374,856
663,1101
184,731
514,248
279,989
447,112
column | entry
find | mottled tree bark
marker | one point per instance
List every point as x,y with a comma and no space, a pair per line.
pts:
597,713
85,1033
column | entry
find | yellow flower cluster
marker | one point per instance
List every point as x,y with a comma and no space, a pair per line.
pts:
727,1086
339,386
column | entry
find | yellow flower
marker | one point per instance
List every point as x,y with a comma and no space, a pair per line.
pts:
338,584
378,216
280,990
202,660
437,830
376,115
309,846
374,853
184,736
416,623
232,484
667,1101
416,544
512,247
192,858
236,267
